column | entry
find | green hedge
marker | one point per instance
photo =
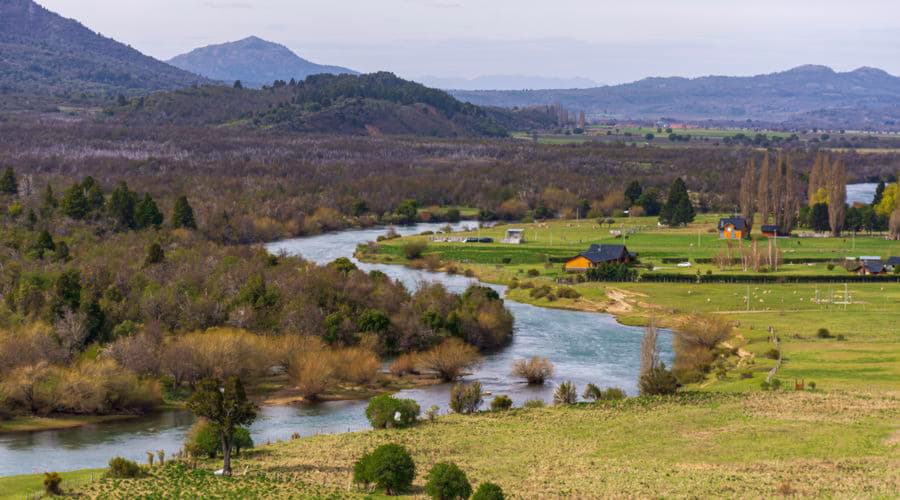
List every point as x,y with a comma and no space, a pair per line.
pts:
763,279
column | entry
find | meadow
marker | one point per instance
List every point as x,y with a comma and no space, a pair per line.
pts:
797,443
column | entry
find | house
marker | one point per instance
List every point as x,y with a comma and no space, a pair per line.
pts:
872,267
733,228
892,264
770,231
514,236
599,254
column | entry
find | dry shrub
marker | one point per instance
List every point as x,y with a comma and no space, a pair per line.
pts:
103,387
217,353
28,346
312,373
139,352
696,338
405,363
283,350
355,365
29,388
535,370
449,359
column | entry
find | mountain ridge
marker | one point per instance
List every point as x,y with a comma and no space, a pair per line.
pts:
253,61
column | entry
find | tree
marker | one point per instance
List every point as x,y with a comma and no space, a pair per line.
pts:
8,183
183,214
66,292
238,84
748,193
95,199
48,201
816,178
446,481
650,349
895,225
633,192
226,407
789,204
837,197
678,210
147,213
649,201
818,218
407,211
155,255
74,203
763,191
121,206
879,192
43,244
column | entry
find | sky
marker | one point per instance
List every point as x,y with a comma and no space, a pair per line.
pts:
607,41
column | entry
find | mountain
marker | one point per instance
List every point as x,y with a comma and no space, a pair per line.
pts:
804,96
253,61
373,104
43,53
507,82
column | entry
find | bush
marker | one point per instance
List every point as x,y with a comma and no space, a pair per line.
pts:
658,382
535,370
533,273
775,384
501,403
594,393
122,468
404,364
51,483
466,398
823,333
449,359
414,249
386,411
446,481
568,293
773,353
202,440
565,394
540,292
488,491
355,365
312,372
534,403
390,468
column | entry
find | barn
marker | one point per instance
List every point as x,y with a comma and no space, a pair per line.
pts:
733,228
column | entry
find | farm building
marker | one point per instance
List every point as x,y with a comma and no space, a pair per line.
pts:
770,231
514,236
867,266
733,228
892,263
599,254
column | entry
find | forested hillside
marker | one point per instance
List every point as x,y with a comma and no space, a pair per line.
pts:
44,53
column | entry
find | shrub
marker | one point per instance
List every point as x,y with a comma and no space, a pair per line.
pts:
390,468
658,382
414,249
387,411
539,292
446,481
764,385
449,359
830,267
432,413
745,374
466,398
356,365
568,293
202,440
533,272
312,373
812,386
841,336
594,393
501,403
488,491
405,363
823,333
565,394
534,403
122,468
697,337
775,384
51,483
773,353
535,370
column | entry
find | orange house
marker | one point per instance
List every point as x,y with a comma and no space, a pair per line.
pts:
596,255
733,228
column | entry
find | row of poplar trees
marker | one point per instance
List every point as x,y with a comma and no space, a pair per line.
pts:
772,191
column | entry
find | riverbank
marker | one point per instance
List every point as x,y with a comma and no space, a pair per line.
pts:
756,445
25,424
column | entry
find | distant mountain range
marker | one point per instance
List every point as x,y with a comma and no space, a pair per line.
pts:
507,82
253,61
803,96
44,53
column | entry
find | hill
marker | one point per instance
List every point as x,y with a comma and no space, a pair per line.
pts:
805,96
374,104
507,82
253,61
43,53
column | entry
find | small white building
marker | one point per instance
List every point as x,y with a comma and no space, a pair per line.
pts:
514,236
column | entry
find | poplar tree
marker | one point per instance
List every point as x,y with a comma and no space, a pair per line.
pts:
837,196
763,196
790,204
748,193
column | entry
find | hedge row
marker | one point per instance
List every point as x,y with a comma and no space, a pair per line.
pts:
797,260
764,279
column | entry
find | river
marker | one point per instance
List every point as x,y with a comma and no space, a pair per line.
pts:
584,347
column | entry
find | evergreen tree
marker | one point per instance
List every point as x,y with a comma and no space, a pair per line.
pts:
74,204
678,209
61,253
8,183
763,192
155,255
147,213
183,214
31,219
94,322
879,193
121,206
66,292
633,192
238,84
818,217
43,244
226,407
95,198
48,201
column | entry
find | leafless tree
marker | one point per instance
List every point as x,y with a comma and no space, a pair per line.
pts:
650,348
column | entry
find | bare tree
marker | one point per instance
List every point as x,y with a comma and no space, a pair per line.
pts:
650,349
763,193
895,224
776,179
837,196
790,203
748,194
816,177
70,331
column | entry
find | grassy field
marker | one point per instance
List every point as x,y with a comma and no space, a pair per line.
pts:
19,487
811,444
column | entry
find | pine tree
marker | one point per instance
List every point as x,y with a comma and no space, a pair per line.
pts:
155,255
8,183
95,198
837,196
74,204
121,206
183,214
147,213
763,193
633,192
748,194
879,193
678,209
43,244
48,201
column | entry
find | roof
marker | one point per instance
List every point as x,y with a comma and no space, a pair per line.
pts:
515,231
893,261
604,253
874,266
738,222
770,229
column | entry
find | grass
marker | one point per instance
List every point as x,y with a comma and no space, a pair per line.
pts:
19,487
32,424
756,445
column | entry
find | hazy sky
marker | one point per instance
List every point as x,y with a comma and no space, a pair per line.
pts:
608,41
